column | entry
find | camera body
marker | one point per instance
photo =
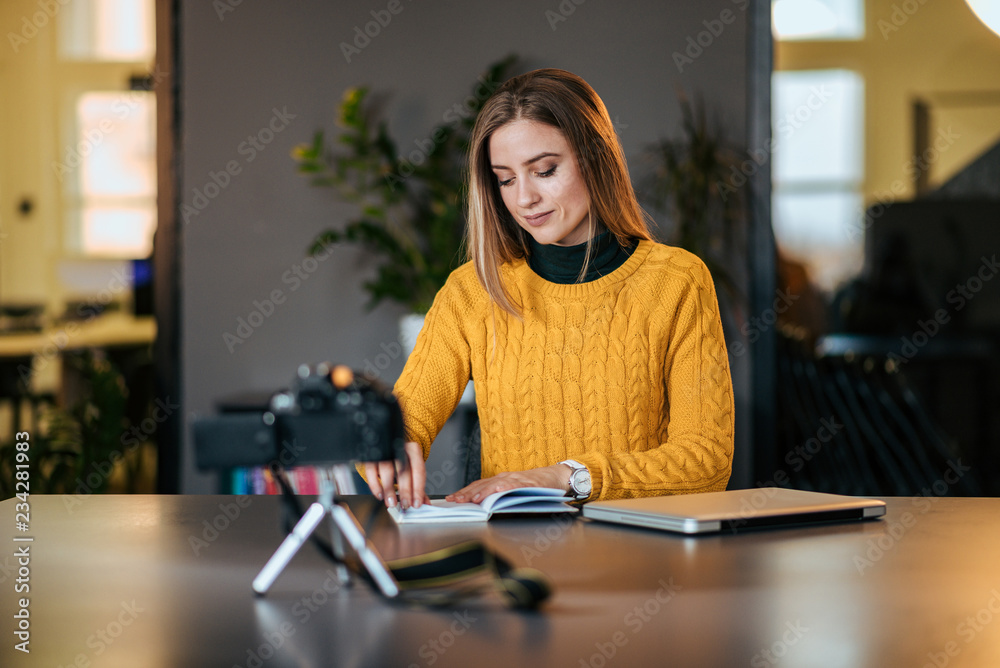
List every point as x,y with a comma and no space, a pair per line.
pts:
330,416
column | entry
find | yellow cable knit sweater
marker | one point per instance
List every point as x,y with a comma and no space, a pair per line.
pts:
627,374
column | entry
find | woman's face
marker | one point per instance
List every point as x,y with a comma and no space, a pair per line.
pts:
540,182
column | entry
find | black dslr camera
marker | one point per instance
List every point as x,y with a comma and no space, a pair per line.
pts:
330,416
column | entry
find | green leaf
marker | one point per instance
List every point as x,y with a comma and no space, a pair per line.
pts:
412,216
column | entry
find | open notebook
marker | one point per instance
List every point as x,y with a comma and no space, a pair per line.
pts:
541,500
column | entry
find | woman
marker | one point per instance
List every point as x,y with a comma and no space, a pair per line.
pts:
597,354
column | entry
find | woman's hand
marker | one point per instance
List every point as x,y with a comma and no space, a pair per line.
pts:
383,477
555,476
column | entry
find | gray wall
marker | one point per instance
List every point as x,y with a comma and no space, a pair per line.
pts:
237,68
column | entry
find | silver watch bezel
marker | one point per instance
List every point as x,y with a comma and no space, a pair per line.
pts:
575,482
579,471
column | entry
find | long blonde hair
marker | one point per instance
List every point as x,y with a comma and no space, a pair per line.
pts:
568,103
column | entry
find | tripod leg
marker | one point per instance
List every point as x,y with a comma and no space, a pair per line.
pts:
344,527
352,532
339,551
289,547
338,478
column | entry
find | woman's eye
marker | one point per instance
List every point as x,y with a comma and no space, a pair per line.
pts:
549,172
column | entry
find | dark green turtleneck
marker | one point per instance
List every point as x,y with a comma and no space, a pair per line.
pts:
561,264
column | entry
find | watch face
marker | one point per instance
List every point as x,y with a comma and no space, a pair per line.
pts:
580,482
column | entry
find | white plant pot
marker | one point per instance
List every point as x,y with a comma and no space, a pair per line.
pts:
409,327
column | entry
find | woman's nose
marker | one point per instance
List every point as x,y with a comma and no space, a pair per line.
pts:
527,194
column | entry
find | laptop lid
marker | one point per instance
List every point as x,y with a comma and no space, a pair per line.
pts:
733,510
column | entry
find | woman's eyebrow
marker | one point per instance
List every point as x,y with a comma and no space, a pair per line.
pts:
530,160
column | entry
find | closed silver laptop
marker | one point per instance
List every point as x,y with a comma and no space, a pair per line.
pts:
734,510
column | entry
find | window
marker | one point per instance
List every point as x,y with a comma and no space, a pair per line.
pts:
111,203
107,30
817,19
818,170
108,164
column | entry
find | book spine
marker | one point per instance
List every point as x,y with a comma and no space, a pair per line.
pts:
312,481
270,484
238,481
259,486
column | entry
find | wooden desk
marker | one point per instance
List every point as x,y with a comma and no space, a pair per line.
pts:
105,331
116,582
42,351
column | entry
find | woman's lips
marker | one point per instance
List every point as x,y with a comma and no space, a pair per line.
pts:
538,218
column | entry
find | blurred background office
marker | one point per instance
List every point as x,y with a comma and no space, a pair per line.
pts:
155,226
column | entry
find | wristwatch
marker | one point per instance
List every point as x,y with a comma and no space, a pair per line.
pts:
579,479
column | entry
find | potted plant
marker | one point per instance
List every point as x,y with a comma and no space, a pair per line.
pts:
411,207
77,450
691,182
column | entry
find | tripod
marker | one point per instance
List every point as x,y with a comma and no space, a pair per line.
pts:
344,528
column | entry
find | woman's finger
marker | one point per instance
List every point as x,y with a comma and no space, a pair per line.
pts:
371,477
387,480
405,482
417,474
